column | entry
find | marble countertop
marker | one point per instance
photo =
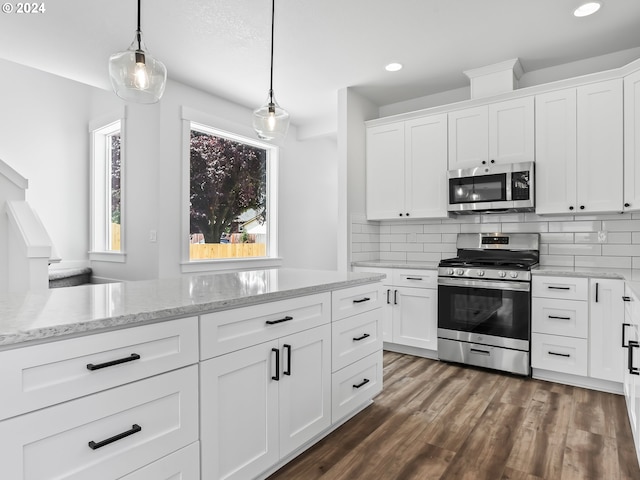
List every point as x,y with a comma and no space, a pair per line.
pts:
50,313
396,264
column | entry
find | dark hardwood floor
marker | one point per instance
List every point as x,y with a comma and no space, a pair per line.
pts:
435,420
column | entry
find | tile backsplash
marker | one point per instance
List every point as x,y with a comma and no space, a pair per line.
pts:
576,241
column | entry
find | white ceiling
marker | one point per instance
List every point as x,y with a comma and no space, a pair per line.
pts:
321,46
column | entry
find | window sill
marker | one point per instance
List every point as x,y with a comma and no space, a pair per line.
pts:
114,257
196,266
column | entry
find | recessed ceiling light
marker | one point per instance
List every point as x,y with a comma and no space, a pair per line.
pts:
587,8
393,67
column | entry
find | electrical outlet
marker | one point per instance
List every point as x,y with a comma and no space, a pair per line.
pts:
602,236
153,236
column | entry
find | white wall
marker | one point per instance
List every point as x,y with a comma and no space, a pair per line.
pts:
43,136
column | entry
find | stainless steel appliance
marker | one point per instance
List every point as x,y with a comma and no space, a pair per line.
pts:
492,188
484,301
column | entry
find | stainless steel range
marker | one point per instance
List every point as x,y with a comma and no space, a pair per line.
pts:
484,301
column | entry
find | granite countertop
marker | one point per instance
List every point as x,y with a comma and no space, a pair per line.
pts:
50,313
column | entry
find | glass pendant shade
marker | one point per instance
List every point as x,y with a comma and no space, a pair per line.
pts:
271,121
135,75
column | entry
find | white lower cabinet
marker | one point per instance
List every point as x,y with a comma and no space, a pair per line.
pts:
105,435
356,384
631,377
606,311
181,465
262,402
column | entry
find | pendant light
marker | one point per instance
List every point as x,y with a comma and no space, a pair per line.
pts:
271,121
135,75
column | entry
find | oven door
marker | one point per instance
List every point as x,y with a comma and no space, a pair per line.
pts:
487,312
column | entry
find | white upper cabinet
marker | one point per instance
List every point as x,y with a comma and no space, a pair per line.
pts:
579,149
406,169
501,132
632,142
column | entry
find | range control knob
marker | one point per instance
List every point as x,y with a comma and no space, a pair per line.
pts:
480,273
450,271
459,271
514,274
502,274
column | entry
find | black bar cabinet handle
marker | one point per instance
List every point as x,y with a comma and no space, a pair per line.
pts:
388,292
288,370
276,377
633,370
285,319
626,299
365,299
135,428
414,278
624,331
362,383
597,285
556,317
559,354
130,358
357,339
395,297
553,287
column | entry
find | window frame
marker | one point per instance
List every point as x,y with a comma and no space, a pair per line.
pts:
100,192
214,126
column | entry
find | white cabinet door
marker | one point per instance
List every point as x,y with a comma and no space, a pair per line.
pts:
468,137
305,387
632,364
239,413
632,142
556,156
606,355
511,134
415,317
426,167
385,171
600,147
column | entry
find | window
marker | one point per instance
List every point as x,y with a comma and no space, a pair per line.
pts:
107,235
230,196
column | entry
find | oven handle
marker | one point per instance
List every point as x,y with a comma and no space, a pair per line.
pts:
486,284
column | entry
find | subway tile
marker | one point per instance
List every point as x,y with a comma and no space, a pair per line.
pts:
395,237
406,247
438,247
619,237
577,226
430,237
586,237
369,247
385,247
546,237
544,249
430,221
370,228
503,218
356,228
538,227
572,249
363,257
621,250
635,262
557,260
424,257
411,237
532,217
481,228
635,237
444,228
612,216
449,237
407,228
385,228
604,262
364,237
459,219
621,225
393,256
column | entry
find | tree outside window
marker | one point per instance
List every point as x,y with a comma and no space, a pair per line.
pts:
228,198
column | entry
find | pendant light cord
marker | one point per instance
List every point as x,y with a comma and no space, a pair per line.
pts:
273,11
139,31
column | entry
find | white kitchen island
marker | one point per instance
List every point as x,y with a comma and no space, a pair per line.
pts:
205,376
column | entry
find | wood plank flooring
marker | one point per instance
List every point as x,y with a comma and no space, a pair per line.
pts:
435,420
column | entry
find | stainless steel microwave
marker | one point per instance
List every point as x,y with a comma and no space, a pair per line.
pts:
492,188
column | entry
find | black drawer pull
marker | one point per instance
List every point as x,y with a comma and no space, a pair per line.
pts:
135,428
626,299
388,292
288,370
361,384
559,354
555,317
624,331
481,352
414,278
633,370
276,377
597,284
285,319
357,339
552,287
365,299
131,358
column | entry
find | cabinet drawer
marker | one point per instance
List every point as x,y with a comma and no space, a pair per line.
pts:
354,300
407,277
569,318
159,413
356,337
42,375
567,288
230,330
181,465
355,384
559,354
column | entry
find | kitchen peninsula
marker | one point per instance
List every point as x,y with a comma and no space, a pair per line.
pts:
208,376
